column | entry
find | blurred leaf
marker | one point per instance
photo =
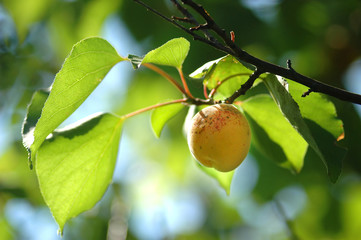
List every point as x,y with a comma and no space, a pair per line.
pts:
94,14
5,229
272,134
35,10
161,115
223,178
172,53
75,166
88,63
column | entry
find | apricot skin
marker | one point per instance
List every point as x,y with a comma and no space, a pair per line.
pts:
219,137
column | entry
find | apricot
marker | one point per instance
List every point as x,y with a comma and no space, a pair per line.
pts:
219,136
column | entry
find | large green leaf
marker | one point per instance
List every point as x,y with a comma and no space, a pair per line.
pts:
75,166
172,53
161,115
321,118
88,63
272,134
315,120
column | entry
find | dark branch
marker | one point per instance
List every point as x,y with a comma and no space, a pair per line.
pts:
190,19
305,94
244,88
231,48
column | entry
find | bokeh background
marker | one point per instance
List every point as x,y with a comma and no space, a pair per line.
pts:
158,191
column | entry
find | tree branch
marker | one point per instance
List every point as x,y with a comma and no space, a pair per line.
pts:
244,88
231,48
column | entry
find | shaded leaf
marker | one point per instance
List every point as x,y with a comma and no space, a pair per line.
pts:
321,117
75,166
172,53
272,134
161,115
313,120
32,116
88,63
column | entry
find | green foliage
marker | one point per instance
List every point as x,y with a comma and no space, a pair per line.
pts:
321,118
156,179
273,135
226,73
172,53
161,115
88,63
75,165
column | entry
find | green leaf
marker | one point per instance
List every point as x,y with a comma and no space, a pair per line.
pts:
321,118
75,166
88,63
313,120
32,116
204,69
272,134
161,115
172,53
223,178
228,71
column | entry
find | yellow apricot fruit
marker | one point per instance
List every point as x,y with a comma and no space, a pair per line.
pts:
219,136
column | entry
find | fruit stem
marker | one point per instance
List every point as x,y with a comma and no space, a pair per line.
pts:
188,93
165,75
153,107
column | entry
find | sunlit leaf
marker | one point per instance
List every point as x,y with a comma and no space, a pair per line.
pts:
161,115
223,178
273,135
88,63
227,72
172,53
203,70
75,166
